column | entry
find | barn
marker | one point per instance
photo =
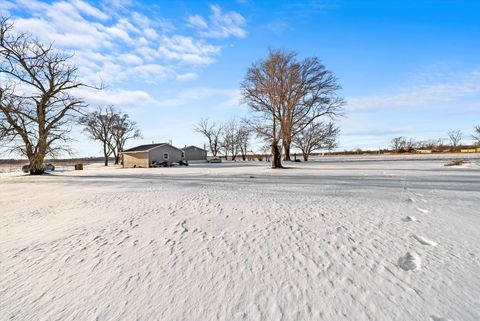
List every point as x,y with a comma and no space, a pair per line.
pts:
145,155
194,153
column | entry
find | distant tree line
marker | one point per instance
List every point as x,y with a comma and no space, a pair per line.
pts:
406,145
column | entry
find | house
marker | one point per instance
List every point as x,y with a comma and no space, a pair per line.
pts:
468,150
424,151
193,153
145,155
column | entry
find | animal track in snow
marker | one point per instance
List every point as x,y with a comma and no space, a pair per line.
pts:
435,318
409,218
424,240
410,261
421,210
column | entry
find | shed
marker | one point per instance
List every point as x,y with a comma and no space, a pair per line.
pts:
194,153
145,155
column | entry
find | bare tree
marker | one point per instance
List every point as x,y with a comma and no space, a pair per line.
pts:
476,134
229,140
316,136
409,145
244,140
235,138
262,92
98,126
397,143
37,106
287,95
455,136
311,93
212,132
123,129
432,144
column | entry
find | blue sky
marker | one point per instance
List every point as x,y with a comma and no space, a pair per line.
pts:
407,68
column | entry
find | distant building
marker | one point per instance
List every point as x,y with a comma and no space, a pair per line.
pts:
193,153
145,155
424,151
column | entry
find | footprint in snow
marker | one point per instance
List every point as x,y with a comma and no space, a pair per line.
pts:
424,240
421,210
435,318
409,218
410,261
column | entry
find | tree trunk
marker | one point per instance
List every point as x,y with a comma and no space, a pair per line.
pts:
276,156
115,156
37,166
105,153
37,158
286,150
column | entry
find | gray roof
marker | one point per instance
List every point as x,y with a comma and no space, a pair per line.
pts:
187,147
143,148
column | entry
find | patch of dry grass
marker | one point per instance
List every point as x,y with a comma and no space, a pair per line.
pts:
456,162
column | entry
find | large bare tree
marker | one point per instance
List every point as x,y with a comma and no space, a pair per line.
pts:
317,135
311,93
455,136
263,91
286,95
212,132
37,105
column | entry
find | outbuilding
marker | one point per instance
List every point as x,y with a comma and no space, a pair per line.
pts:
194,153
146,155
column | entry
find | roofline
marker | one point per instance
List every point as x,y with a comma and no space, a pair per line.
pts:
195,147
147,150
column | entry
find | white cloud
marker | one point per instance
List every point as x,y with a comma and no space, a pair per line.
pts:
419,96
130,59
89,10
187,76
124,39
197,21
120,46
220,24
117,97
148,73
218,97
186,50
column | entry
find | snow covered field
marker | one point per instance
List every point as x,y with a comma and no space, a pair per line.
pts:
339,239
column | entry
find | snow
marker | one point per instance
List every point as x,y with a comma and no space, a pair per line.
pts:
335,239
